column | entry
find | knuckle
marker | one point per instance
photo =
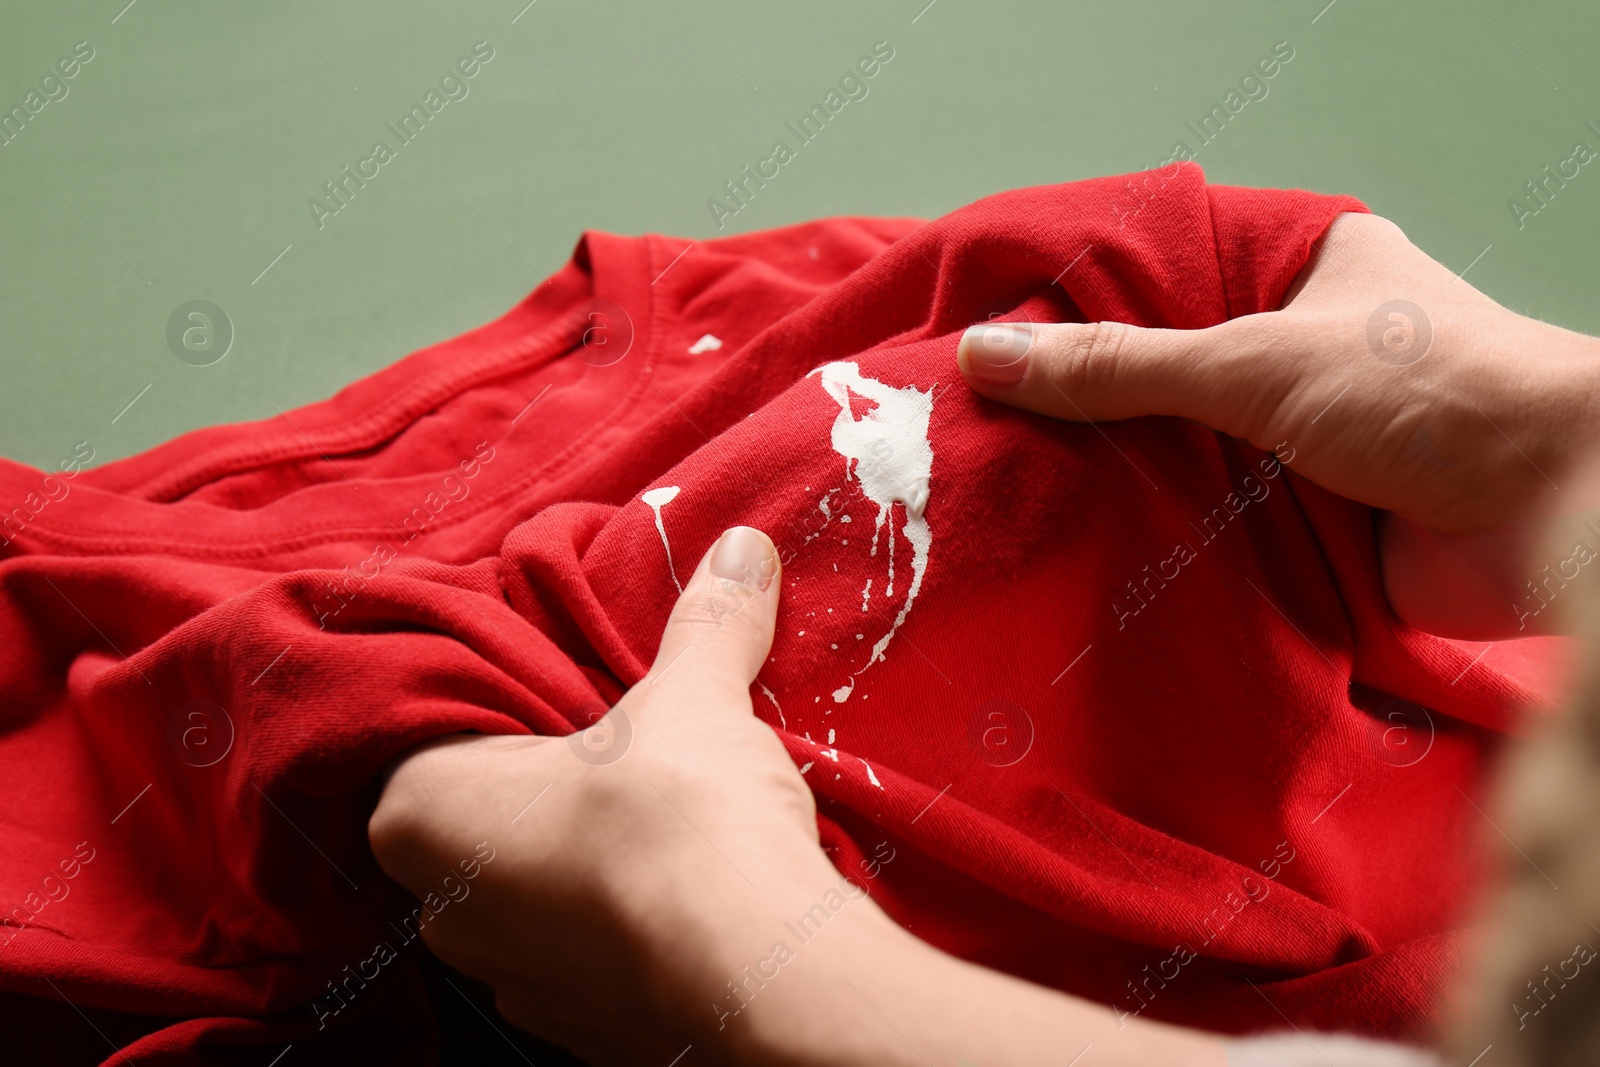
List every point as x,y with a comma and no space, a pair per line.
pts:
406,819
727,608
518,1012
1254,366
390,831
1085,358
719,602
438,938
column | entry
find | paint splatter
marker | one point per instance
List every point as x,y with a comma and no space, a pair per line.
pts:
708,343
827,517
873,778
657,499
888,452
770,695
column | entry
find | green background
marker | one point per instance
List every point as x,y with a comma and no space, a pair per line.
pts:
181,162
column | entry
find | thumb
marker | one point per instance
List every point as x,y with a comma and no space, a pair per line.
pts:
1110,370
721,628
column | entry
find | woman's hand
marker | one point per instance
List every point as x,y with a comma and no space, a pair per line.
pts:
633,861
1385,378
647,890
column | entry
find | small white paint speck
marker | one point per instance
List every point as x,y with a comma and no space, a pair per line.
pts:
707,343
807,767
873,778
830,737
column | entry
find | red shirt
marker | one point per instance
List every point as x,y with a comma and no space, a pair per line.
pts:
1131,717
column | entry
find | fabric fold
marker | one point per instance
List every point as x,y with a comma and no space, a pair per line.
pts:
1117,708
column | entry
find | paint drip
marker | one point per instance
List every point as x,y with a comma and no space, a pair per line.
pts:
873,778
770,695
888,452
657,499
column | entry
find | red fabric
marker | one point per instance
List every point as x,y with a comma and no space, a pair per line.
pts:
1239,724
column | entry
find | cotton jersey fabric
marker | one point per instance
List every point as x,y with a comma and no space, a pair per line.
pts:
1129,717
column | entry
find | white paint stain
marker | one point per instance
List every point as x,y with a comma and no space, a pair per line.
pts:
827,517
770,695
807,767
708,343
659,498
873,778
888,452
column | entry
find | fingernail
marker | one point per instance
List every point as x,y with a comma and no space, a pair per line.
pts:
996,353
746,556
